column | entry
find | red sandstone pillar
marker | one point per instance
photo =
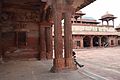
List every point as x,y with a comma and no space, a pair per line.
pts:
16,40
81,42
42,43
91,42
49,49
109,41
99,41
69,63
58,62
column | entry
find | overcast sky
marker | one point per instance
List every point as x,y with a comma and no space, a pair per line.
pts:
100,7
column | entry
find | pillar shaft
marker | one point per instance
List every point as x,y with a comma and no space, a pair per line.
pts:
58,62
16,40
42,44
58,44
69,63
100,42
91,42
113,22
49,49
81,42
68,35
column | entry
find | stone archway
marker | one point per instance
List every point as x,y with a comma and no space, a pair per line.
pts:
104,40
86,41
96,41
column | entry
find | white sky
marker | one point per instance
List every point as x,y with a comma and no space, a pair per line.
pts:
100,7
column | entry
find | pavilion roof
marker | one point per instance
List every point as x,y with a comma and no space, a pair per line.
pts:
107,17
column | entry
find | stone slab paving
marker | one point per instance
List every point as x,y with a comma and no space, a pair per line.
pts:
100,63
36,70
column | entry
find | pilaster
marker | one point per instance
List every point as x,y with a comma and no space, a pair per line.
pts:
42,44
49,47
1,47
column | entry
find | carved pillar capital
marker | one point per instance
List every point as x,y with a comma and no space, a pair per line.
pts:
57,6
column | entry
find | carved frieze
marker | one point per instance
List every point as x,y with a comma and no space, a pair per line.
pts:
12,20
27,16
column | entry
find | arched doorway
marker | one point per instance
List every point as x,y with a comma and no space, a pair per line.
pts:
86,41
104,41
96,41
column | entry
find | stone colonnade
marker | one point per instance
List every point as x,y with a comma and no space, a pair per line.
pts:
94,41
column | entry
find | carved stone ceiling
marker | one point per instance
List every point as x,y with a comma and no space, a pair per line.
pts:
41,4
21,1
76,4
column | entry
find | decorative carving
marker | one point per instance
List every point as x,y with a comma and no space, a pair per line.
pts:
28,16
31,16
6,16
20,25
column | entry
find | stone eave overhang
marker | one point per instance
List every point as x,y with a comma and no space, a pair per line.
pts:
86,2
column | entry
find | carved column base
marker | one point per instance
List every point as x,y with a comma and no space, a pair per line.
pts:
58,65
69,64
50,55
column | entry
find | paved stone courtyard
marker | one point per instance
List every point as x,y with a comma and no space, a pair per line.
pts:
100,64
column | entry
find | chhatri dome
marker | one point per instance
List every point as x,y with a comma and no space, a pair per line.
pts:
108,17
